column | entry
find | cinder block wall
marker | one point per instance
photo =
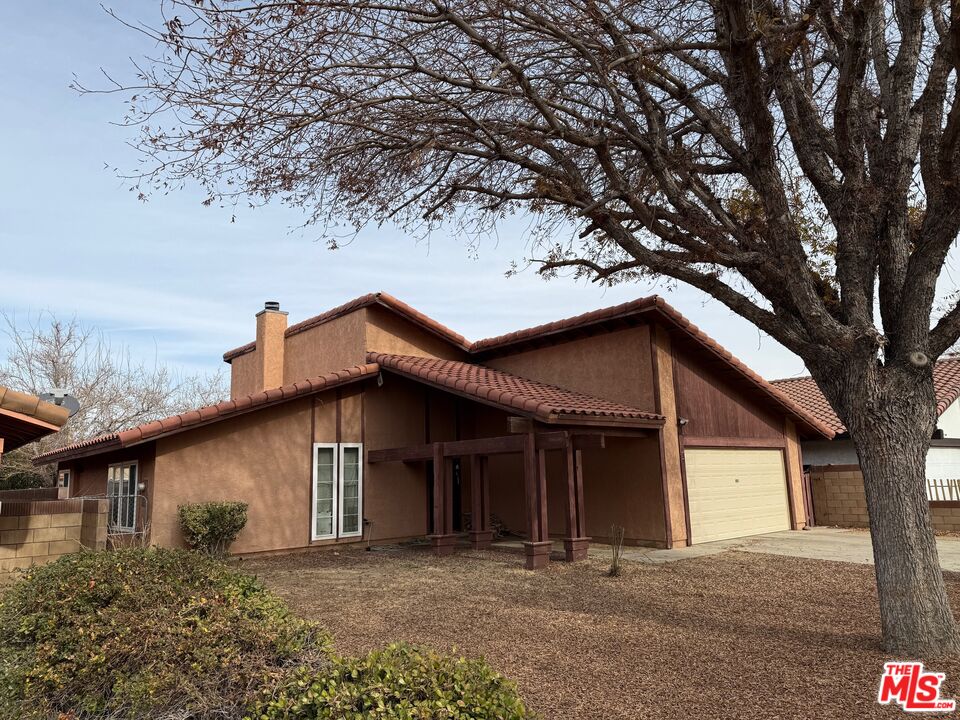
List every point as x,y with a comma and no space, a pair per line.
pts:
839,499
38,532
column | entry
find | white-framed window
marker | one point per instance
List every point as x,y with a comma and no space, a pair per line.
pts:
122,493
351,489
337,506
63,479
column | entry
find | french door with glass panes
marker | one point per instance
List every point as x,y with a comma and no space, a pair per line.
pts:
337,491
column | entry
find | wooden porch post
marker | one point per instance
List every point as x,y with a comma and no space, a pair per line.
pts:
537,547
480,533
442,538
576,543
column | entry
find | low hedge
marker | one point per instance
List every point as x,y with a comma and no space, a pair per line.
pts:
401,682
149,634
211,527
144,634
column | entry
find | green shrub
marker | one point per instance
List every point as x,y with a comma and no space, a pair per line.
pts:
211,527
144,633
401,682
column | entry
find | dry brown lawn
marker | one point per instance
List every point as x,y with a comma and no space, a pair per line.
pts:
736,635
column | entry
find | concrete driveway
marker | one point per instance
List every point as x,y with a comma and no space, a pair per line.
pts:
837,544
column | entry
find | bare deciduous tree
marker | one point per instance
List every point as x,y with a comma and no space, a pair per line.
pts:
114,391
795,159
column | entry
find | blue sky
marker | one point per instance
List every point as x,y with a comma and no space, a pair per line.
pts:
178,282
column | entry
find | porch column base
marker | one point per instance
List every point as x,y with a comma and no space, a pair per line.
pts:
576,548
480,539
538,554
442,544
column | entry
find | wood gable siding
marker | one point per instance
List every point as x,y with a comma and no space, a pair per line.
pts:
715,406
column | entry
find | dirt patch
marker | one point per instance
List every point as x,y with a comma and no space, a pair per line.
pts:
736,635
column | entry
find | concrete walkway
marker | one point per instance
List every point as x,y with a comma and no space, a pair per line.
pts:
837,544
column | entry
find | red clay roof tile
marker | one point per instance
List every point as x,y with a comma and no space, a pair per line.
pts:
210,413
510,392
805,392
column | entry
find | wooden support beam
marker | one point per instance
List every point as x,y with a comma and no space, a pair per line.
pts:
480,534
576,543
530,486
520,425
504,444
537,547
542,494
442,538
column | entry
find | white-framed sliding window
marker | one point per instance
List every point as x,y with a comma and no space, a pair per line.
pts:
122,494
337,506
351,489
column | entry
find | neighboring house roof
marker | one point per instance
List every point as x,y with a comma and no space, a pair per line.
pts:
805,392
25,418
547,403
206,415
381,299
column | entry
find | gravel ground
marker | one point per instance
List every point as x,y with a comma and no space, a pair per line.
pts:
736,635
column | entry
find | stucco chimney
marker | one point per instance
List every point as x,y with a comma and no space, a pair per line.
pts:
271,323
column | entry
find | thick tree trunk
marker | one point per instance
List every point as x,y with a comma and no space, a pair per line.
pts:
891,419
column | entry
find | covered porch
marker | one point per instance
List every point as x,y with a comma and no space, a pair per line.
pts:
544,453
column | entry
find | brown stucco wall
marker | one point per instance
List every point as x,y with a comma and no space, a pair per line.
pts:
395,498
388,333
616,366
622,487
334,345
261,458
243,375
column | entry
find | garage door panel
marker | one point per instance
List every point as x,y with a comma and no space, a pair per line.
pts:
735,492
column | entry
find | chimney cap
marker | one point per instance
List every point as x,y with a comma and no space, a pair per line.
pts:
271,305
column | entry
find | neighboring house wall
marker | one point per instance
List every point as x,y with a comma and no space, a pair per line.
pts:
38,532
943,461
829,452
616,366
839,499
949,421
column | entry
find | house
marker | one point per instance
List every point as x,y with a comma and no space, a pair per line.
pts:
375,422
25,418
834,468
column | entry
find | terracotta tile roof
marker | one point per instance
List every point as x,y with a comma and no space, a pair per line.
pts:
804,391
208,414
544,402
25,418
382,299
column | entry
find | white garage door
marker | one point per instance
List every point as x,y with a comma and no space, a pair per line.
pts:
734,492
